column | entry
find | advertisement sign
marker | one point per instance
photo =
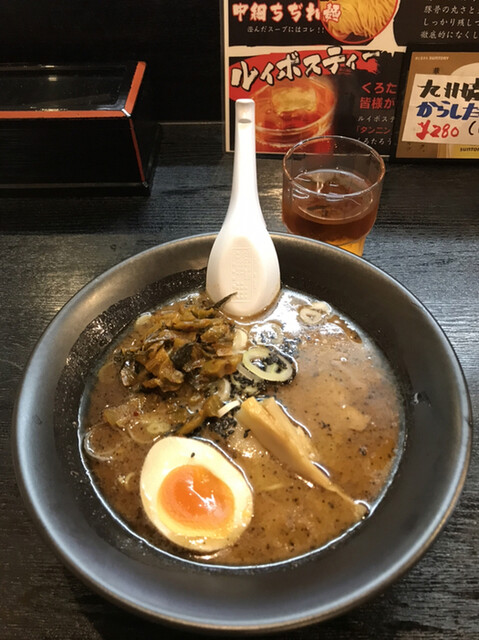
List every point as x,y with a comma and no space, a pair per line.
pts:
440,112
324,67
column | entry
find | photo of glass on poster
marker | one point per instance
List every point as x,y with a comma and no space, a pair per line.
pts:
316,68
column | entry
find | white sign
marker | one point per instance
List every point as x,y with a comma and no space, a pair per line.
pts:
443,109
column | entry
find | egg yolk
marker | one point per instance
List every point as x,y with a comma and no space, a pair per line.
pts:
194,496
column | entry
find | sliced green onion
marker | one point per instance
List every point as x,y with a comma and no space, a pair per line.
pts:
228,407
102,442
283,369
246,373
314,313
223,389
322,305
240,340
143,319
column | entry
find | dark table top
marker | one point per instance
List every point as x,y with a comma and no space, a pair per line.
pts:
426,236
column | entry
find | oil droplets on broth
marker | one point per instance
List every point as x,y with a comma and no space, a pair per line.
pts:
242,443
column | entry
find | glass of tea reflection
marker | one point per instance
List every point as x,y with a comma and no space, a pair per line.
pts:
331,190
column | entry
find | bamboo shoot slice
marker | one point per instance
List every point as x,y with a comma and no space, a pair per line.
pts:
289,443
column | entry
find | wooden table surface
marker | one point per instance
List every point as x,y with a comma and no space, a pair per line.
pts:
426,236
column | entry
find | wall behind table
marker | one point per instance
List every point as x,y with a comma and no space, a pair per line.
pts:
180,39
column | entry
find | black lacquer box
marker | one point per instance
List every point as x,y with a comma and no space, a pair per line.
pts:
76,128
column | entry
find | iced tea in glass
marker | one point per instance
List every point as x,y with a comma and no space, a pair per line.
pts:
288,113
331,190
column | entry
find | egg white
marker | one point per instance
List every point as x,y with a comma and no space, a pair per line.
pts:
172,452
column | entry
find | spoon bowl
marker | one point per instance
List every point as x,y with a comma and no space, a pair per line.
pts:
243,262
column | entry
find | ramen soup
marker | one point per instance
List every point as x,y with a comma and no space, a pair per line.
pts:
241,443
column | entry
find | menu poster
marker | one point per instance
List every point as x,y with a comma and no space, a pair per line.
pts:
315,67
440,111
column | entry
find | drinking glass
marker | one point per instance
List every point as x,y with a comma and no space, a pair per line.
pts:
331,190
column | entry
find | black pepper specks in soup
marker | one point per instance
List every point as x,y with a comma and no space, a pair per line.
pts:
299,401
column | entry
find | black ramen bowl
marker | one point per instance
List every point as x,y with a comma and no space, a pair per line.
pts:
118,565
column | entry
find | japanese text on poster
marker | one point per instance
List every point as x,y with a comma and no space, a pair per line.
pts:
329,66
443,109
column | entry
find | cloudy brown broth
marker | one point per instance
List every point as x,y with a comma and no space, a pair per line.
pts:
344,395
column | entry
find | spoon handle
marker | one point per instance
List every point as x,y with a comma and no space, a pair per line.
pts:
244,190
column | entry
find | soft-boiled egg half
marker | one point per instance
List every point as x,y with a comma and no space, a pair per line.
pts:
195,495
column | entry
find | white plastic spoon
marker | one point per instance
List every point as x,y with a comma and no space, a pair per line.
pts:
243,258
